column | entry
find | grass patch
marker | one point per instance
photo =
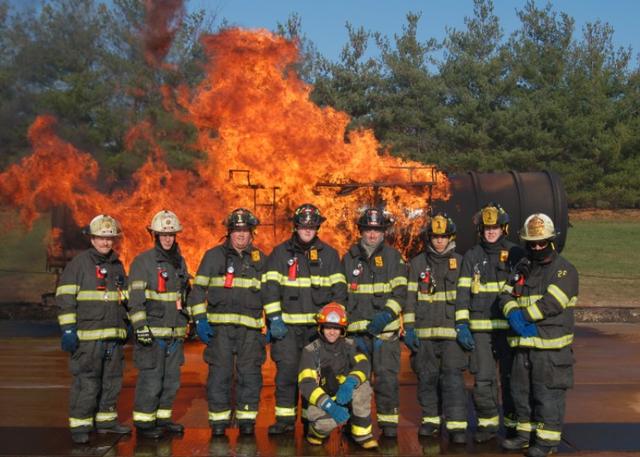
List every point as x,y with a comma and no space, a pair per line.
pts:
603,251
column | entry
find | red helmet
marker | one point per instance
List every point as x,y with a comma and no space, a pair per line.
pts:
332,315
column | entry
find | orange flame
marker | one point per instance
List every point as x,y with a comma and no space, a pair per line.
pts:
252,113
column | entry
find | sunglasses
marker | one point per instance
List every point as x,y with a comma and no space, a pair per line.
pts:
538,244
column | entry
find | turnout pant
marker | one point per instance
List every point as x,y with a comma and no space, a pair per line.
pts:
97,368
286,354
158,381
439,365
321,423
385,366
539,383
492,354
234,352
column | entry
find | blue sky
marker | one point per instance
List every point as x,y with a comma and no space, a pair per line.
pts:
323,21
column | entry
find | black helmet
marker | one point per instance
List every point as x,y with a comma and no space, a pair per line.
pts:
492,214
374,218
441,224
307,215
241,218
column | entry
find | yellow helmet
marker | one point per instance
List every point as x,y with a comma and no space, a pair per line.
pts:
104,226
165,222
538,227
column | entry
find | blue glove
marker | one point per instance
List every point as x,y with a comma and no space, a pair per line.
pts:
278,328
520,325
345,391
340,414
464,337
379,322
411,340
70,340
204,330
361,344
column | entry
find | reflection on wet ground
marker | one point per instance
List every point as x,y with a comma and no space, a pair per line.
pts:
603,412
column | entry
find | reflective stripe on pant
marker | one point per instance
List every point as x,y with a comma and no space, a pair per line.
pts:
97,368
439,365
286,354
158,380
385,365
321,424
540,379
234,353
490,354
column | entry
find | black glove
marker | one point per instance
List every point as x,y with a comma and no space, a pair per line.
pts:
522,269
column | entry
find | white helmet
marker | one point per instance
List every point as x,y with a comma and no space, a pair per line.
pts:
165,222
104,226
538,227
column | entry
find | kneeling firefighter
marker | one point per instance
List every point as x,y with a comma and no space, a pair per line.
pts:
334,379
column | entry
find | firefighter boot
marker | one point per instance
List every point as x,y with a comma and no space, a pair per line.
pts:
539,450
247,428
152,433
390,431
116,429
314,440
517,443
483,436
80,438
458,437
281,427
218,428
171,427
428,429
371,443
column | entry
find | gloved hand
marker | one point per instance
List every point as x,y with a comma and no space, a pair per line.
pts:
411,340
361,344
520,325
278,328
69,341
204,330
340,414
144,335
464,337
345,391
379,322
521,269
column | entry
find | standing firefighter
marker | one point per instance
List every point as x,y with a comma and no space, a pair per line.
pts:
303,274
538,300
480,324
93,319
157,290
334,375
437,358
227,307
377,286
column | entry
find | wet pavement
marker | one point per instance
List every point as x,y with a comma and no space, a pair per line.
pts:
603,410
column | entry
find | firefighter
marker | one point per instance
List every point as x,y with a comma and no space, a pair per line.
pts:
430,333
334,379
480,325
303,274
377,288
158,287
227,307
91,297
538,302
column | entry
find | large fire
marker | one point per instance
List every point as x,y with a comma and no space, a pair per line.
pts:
253,113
